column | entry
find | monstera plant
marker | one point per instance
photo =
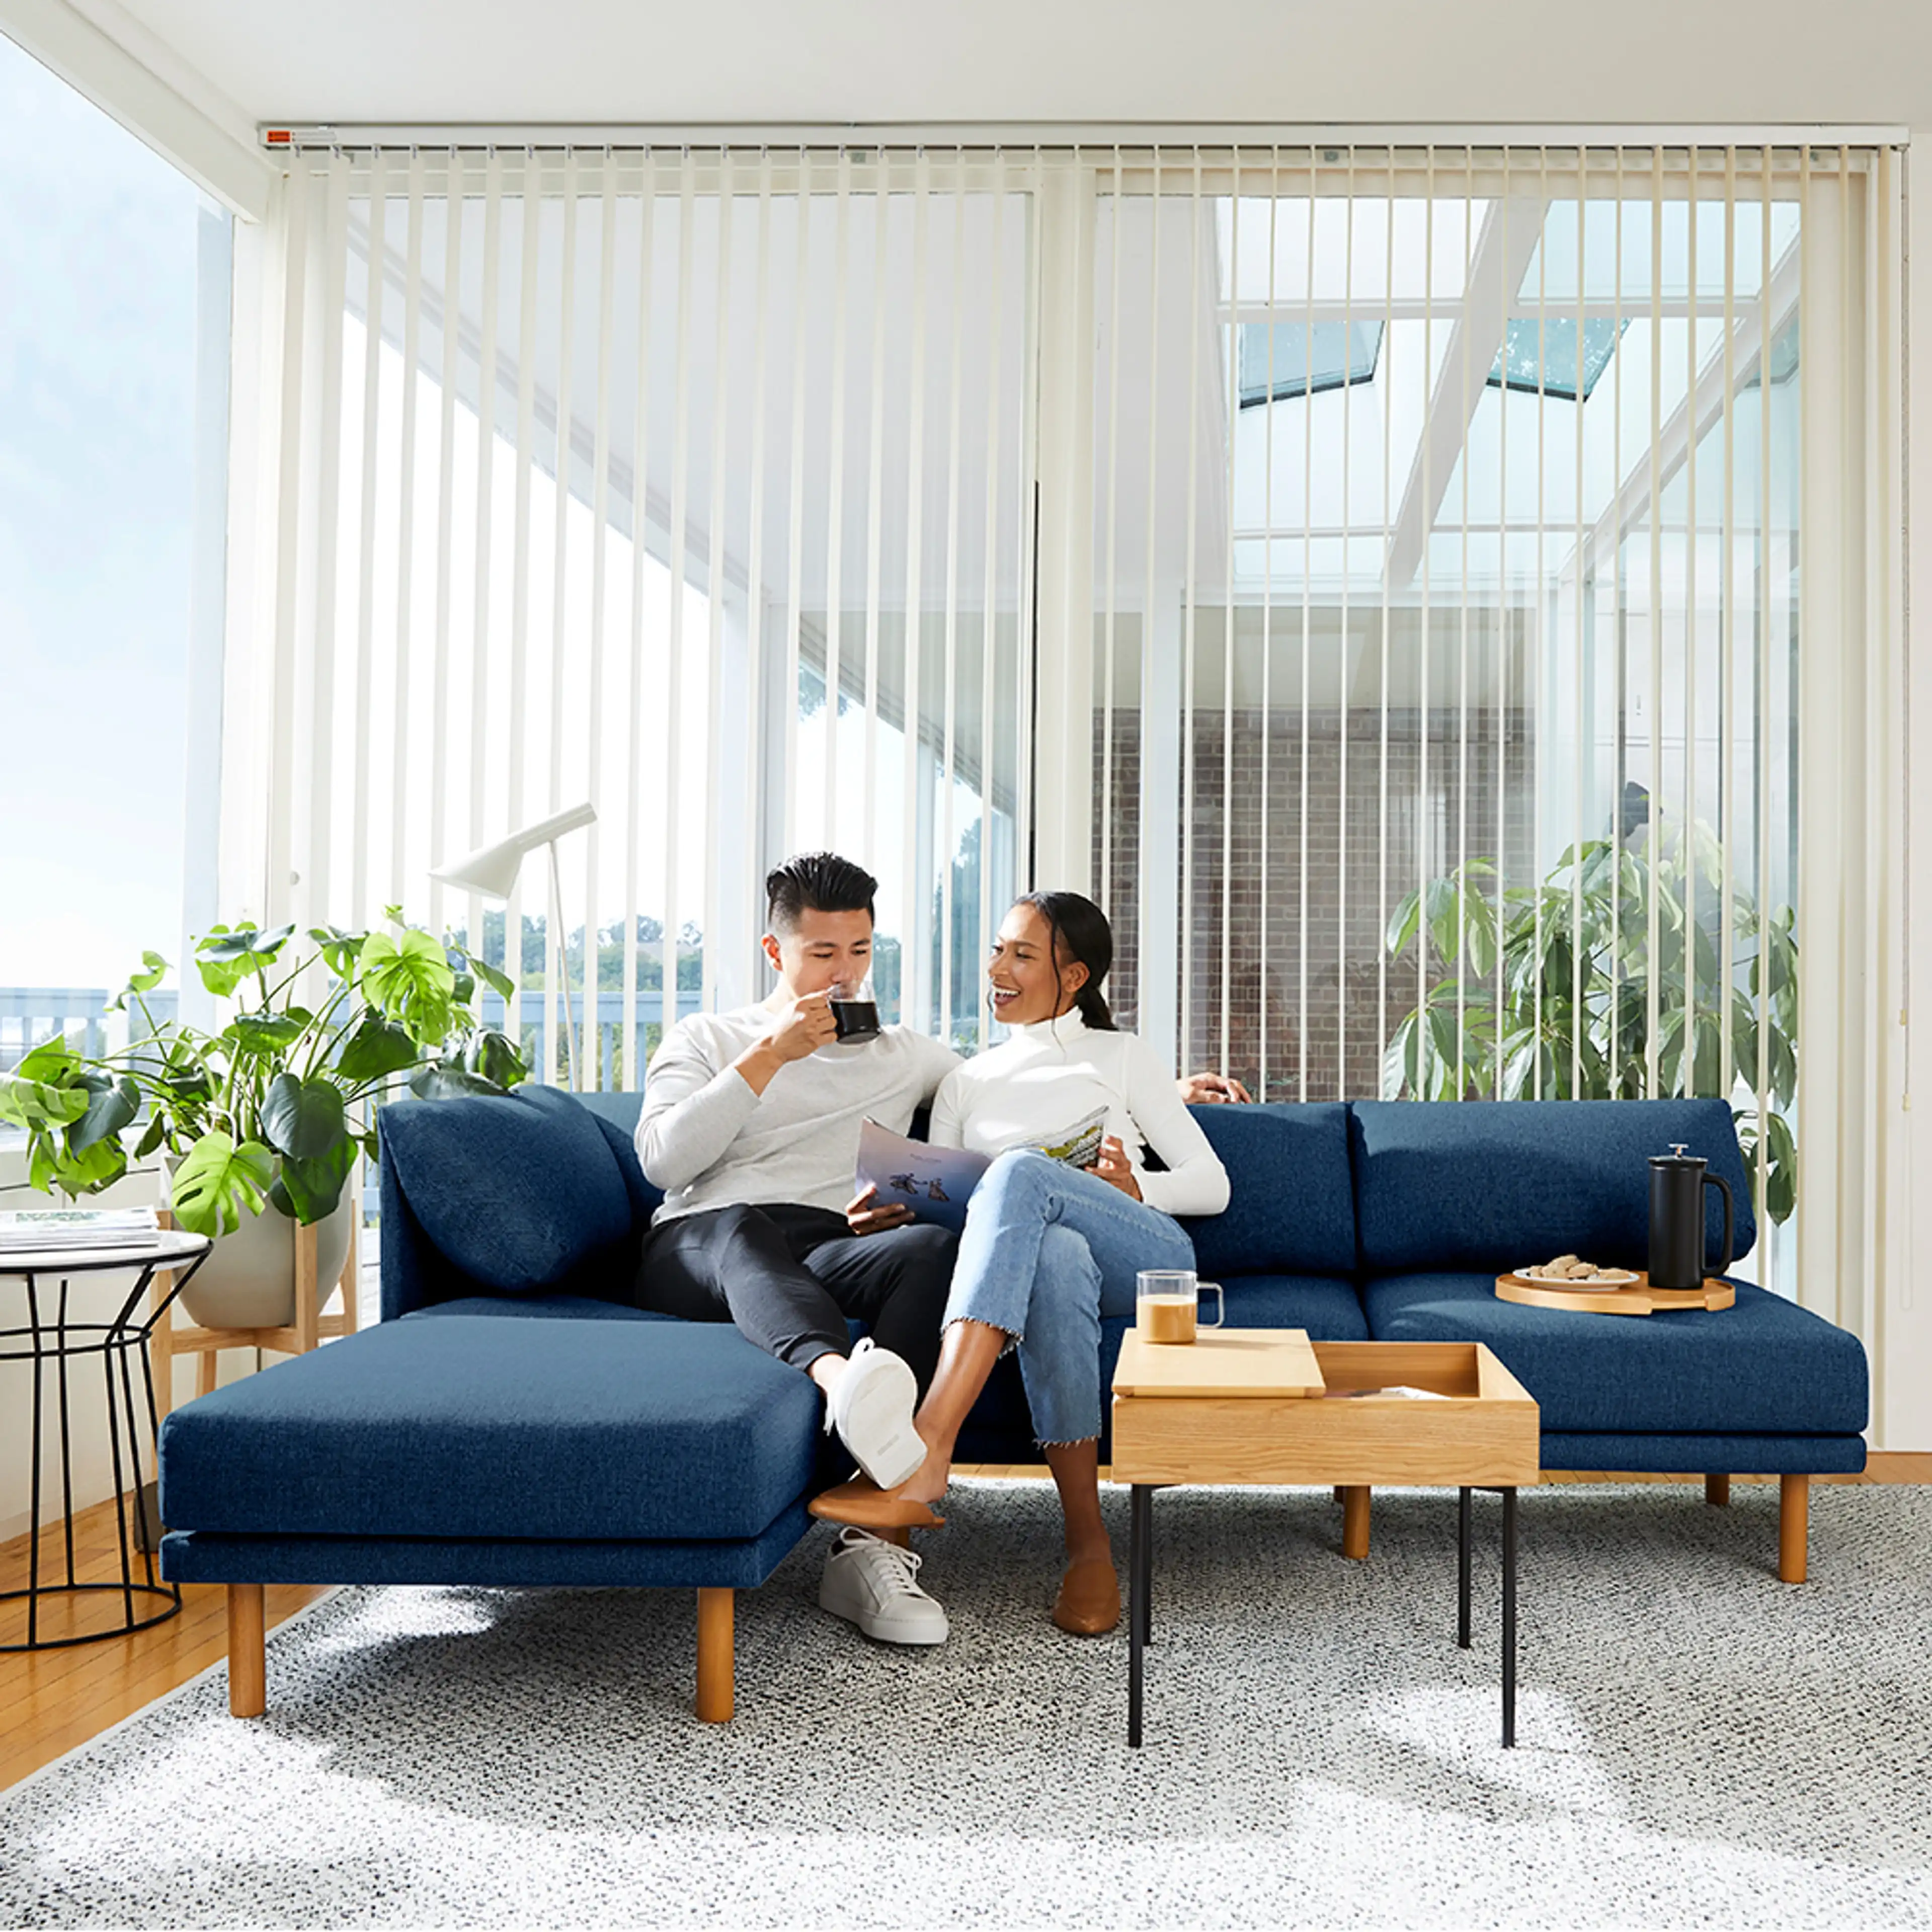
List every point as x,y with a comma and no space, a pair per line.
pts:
271,1109
1608,980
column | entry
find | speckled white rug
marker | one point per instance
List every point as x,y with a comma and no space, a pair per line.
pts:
1699,1743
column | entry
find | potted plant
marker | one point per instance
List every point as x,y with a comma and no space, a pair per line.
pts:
260,1123
1549,988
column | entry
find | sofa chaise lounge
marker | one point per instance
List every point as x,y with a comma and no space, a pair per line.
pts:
513,1420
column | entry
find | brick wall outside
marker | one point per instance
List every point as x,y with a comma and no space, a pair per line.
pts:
1337,1054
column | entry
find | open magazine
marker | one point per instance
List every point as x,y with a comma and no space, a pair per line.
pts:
936,1182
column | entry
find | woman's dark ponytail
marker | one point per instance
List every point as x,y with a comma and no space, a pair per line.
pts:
1079,929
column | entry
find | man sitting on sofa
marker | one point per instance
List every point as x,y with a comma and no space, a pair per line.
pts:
751,1125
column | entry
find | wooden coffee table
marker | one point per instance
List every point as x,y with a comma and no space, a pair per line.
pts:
1267,1405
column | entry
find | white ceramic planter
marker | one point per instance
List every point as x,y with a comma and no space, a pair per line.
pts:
248,1281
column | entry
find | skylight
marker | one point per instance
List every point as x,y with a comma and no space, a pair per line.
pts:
1547,348
1339,354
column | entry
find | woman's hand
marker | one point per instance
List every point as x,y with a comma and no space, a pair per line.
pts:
1115,1169
863,1217
1204,1090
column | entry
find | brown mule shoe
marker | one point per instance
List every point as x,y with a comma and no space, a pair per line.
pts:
863,1502
1090,1598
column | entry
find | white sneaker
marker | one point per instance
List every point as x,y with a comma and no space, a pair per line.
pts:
872,1583
872,1408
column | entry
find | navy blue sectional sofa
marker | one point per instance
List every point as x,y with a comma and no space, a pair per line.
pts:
513,1420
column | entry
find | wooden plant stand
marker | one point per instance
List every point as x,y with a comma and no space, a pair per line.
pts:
310,1327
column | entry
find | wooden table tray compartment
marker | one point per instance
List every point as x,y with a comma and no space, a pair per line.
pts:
1484,1431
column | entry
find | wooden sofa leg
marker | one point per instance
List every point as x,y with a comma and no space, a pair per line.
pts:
1718,1491
248,1652
714,1609
1794,1517
1355,1520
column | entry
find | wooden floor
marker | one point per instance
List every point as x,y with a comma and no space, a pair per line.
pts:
51,1700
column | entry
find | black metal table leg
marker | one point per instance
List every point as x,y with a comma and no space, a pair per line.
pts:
1140,1574
1509,1619
1462,1529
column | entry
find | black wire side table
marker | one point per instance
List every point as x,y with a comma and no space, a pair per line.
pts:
54,1343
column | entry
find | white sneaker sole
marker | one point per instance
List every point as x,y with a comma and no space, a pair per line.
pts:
853,1608
875,1421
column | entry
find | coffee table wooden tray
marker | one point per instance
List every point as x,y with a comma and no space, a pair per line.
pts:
1639,1298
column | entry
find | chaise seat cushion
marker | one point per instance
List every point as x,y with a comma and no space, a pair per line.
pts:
1765,1366
473,1426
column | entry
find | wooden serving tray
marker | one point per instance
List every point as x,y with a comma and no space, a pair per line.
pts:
1639,1298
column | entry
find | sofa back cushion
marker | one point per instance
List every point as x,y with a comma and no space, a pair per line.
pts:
520,1194
1291,1208
1495,1185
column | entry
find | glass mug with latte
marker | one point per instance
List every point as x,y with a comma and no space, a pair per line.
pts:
1168,1304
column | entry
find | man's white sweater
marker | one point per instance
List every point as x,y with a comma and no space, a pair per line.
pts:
709,1141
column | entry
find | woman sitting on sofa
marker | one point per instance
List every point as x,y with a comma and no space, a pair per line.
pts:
1049,1249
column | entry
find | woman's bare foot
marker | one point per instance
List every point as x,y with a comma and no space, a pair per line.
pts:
927,1483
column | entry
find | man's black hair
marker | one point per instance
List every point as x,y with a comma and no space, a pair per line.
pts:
816,882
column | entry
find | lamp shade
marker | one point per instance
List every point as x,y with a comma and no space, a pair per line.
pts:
492,869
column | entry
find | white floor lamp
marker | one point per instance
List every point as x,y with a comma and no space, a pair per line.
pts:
493,871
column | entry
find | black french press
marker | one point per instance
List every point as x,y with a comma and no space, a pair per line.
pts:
1678,1180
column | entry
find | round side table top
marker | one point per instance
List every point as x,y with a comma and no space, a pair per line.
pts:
168,1248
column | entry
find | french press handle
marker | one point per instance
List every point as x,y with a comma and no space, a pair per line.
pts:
1724,1188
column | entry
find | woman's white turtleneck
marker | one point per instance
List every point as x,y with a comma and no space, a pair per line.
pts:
1051,1075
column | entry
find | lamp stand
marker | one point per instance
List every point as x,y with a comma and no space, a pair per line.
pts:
563,961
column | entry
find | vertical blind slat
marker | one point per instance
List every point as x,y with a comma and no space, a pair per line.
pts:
989,595
516,741
600,567
948,776
375,259
915,1007
400,798
1653,990
717,588
647,196
1302,935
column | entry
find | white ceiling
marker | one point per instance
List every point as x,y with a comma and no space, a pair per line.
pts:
1428,61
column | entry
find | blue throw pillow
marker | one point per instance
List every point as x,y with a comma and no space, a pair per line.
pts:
522,1194
1290,1206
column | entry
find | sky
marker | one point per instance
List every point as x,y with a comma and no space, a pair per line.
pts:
98,293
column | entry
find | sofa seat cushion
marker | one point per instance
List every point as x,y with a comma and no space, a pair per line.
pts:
454,1425
1330,1310
1766,1366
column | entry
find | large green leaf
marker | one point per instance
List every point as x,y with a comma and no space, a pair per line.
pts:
376,1049
39,1103
408,980
218,1182
303,1118
112,1105
340,950
494,1055
224,959
266,1036
306,1190
154,968
443,1080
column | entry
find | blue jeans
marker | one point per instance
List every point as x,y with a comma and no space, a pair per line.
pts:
1047,1251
